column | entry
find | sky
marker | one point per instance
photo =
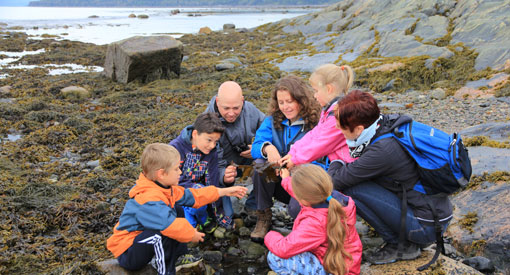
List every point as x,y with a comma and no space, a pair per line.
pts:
14,3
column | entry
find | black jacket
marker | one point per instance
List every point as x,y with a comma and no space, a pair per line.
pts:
386,163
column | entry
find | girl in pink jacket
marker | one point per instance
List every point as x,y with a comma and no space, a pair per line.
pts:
323,239
329,83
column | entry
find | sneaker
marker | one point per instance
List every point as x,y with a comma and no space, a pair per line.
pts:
208,227
388,253
187,261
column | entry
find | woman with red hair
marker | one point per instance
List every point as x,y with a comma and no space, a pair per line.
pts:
378,178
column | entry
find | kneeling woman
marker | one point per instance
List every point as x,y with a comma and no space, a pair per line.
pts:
377,180
293,112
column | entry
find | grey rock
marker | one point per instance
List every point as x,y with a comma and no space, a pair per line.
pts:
429,63
242,30
244,232
234,60
224,66
480,263
252,250
5,89
499,131
488,202
213,256
92,164
229,26
438,93
307,63
144,57
391,106
489,159
431,27
232,251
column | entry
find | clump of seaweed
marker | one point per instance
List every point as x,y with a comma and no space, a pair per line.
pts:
485,141
468,221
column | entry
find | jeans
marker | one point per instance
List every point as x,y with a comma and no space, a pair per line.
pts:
305,263
381,209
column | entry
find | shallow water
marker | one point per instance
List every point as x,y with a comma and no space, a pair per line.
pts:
113,24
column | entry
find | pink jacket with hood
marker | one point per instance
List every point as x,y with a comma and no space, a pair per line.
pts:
309,233
323,140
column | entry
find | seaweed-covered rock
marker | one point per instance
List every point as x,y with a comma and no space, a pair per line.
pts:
144,58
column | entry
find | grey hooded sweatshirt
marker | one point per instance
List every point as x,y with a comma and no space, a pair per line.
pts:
239,132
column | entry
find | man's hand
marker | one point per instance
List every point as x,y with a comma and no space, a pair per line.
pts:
287,161
236,191
247,153
230,174
198,237
273,156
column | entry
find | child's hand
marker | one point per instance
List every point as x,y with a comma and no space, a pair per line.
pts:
237,191
284,172
230,174
198,237
286,161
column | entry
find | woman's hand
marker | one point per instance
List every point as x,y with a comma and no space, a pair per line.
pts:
273,156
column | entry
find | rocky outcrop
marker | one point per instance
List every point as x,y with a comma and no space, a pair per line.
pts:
144,58
387,28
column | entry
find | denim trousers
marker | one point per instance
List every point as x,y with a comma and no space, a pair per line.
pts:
381,208
305,263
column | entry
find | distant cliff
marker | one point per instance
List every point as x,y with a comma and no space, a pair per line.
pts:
172,3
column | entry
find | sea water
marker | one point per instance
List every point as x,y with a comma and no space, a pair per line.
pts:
106,25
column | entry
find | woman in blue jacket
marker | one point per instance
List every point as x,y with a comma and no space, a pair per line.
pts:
292,112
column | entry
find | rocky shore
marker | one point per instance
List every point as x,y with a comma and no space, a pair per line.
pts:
69,157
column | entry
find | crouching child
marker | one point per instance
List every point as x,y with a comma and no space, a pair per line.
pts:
150,225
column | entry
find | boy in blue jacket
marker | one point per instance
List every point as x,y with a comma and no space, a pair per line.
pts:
197,145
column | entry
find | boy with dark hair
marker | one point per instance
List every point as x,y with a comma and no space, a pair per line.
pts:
149,225
199,163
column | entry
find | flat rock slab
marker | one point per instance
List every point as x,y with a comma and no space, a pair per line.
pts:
488,159
499,131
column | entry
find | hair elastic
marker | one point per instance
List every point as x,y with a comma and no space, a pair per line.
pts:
342,67
329,198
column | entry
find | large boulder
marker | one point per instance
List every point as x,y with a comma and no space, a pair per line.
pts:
146,58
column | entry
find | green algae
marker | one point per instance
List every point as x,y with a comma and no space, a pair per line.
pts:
485,141
495,177
468,221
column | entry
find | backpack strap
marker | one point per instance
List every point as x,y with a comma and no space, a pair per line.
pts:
403,216
439,236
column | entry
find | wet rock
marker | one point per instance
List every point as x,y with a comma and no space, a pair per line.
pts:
490,236
229,26
175,11
205,30
112,267
480,263
144,58
213,256
242,30
252,250
143,16
244,232
93,16
132,15
233,251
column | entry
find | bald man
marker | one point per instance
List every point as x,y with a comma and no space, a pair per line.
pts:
241,120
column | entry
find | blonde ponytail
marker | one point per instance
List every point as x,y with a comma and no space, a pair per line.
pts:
334,259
